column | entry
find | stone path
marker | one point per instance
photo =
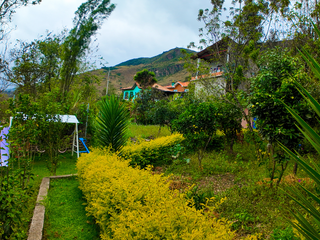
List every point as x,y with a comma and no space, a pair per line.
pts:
36,227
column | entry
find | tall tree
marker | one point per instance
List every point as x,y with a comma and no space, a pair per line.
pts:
55,60
7,9
235,44
89,18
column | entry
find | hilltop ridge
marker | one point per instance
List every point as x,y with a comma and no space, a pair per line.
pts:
167,66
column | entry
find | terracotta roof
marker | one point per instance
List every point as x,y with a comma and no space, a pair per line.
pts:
133,86
183,84
216,74
168,88
161,88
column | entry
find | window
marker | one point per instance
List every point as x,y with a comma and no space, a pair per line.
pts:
126,95
131,95
175,90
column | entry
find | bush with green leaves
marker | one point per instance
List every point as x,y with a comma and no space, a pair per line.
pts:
283,234
229,120
272,86
198,124
37,126
144,104
112,123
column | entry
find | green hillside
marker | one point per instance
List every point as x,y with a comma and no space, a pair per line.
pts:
167,66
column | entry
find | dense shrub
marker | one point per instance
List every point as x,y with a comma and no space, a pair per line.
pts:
198,124
156,152
130,203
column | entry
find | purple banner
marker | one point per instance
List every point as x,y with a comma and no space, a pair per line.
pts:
4,147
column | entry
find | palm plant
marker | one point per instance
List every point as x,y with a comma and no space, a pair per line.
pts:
308,228
112,123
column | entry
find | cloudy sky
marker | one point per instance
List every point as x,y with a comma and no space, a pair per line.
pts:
136,28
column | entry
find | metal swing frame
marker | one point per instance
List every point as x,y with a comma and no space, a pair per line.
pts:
68,119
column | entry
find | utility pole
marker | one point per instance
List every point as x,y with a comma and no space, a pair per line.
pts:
108,82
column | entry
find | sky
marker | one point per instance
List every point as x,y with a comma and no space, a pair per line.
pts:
136,28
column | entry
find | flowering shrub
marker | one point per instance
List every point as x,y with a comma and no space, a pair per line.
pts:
156,152
132,203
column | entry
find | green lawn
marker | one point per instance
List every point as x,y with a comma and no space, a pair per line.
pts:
147,131
65,212
252,208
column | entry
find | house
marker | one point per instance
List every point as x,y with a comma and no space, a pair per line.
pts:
178,87
214,81
216,58
130,93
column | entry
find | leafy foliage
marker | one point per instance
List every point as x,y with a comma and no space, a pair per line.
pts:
229,119
112,123
156,152
198,124
144,105
145,78
88,19
135,203
272,86
308,228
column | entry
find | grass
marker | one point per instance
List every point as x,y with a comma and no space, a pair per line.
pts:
67,165
148,131
252,207
65,212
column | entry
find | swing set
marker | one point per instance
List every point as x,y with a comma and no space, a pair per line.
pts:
70,119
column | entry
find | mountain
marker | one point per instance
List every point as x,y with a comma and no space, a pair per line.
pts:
167,66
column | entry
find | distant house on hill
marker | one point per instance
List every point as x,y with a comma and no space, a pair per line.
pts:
178,87
216,56
130,93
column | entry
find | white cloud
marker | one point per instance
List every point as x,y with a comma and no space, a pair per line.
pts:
139,28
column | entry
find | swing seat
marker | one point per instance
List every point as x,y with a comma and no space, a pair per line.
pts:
83,140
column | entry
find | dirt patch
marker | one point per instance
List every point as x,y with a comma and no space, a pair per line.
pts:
217,183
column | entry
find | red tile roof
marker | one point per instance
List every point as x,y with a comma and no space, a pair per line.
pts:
168,88
215,74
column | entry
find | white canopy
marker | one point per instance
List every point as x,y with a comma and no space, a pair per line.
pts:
67,119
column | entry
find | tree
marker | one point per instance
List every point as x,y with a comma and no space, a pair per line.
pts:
144,104
56,60
198,124
27,71
162,114
145,78
89,18
272,86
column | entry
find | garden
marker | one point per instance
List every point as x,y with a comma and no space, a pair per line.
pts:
192,175
237,164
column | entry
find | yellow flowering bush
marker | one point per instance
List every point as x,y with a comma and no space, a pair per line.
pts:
156,152
132,203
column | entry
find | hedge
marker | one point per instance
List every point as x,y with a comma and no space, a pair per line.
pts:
132,203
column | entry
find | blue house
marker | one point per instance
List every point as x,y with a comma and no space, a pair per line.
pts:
130,93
